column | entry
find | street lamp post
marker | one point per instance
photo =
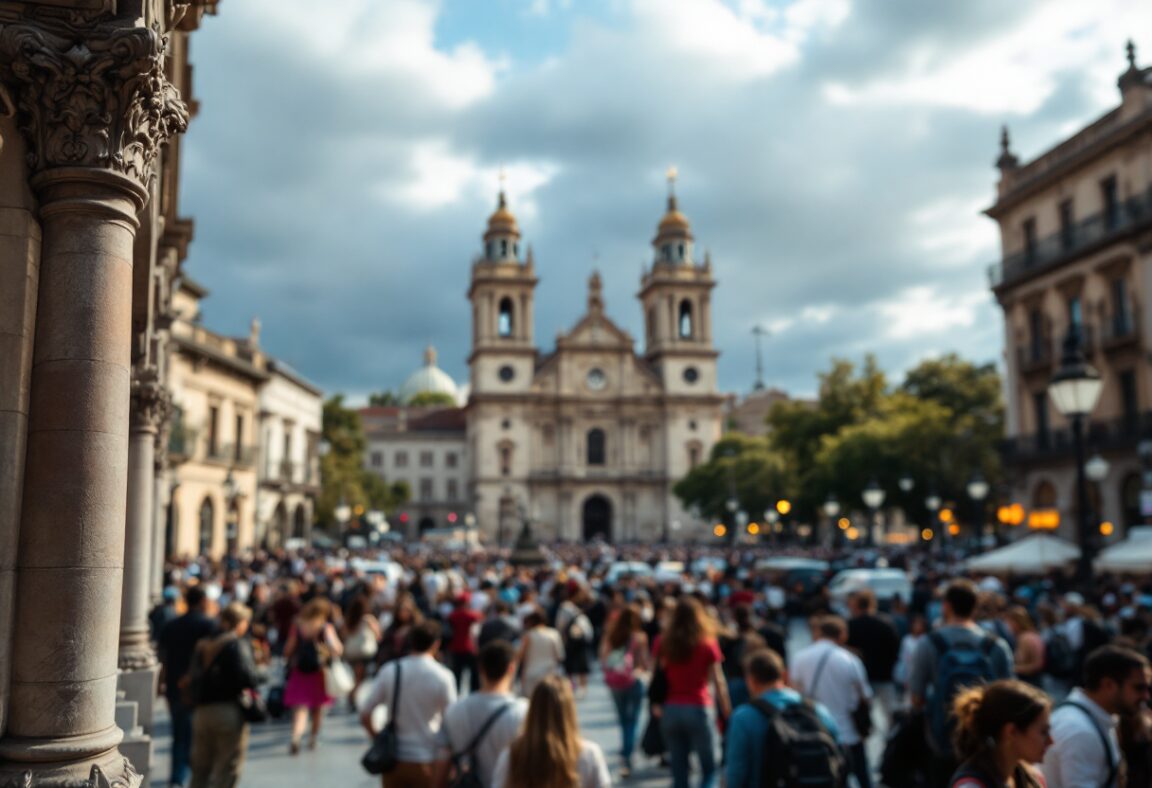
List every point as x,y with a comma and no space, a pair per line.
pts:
342,513
978,490
231,493
831,511
932,503
873,496
1074,390
1097,470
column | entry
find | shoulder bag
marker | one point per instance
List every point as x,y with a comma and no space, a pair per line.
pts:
382,756
467,767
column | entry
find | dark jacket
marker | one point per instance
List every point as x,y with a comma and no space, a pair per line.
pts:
229,669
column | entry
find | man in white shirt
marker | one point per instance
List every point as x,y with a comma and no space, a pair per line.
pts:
487,720
1085,751
426,689
832,675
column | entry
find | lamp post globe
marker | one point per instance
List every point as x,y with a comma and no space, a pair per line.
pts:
831,506
932,503
873,496
906,483
1097,468
978,488
1075,390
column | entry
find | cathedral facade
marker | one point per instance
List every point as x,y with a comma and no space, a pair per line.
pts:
589,438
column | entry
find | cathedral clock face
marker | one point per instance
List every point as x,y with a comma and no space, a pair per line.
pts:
691,375
596,379
506,373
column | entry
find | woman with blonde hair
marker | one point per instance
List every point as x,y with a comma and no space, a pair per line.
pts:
1001,730
541,651
312,642
549,752
690,656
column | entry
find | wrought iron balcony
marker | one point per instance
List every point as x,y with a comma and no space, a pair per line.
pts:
1127,217
1118,434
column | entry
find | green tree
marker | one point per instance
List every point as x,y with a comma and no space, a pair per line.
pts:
342,473
740,466
426,398
382,399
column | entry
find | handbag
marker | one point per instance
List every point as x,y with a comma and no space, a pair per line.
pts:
382,756
862,717
361,644
252,706
338,678
652,742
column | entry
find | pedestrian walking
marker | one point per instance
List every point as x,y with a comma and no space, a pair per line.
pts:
1086,750
463,622
219,729
627,663
689,654
312,641
176,646
549,752
500,625
830,674
479,727
394,642
426,690
576,629
756,752
874,639
1028,655
1002,730
361,635
956,655
541,651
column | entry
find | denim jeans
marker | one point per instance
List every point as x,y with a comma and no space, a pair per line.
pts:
628,703
181,740
688,729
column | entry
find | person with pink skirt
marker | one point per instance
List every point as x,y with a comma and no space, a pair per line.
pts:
312,642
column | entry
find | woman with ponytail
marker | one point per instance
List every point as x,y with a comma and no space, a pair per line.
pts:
1001,730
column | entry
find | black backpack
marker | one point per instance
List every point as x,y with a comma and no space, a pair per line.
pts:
1059,656
799,752
467,767
308,656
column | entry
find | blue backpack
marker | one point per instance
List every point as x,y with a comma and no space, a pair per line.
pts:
958,666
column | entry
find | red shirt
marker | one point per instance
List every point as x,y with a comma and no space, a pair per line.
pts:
462,619
688,682
741,597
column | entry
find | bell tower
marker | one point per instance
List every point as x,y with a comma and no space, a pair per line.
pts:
676,296
502,289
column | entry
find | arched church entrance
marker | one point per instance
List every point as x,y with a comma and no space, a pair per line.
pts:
597,518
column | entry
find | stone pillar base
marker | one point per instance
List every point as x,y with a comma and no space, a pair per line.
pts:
111,770
139,686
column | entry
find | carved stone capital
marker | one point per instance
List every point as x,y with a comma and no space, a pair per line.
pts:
151,401
140,658
120,774
91,98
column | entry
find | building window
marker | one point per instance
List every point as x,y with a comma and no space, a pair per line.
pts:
450,459
686,328
651,324
207,526
401,459
426,490
377,459
1036,337
287,457
1128,402
1029,228
503,248
1067,228
238,449
1110,197
488,249
693,456
1121,313
596,446
1075,312
505,324
505,460
214,431
453,491
426,459
1040,404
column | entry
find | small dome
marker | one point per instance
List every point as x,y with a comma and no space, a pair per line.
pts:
429,379
502,222
673,225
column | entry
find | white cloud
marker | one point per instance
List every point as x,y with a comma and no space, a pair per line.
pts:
917,311
1017,70
952,232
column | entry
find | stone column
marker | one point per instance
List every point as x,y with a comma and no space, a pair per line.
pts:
94,107
137,660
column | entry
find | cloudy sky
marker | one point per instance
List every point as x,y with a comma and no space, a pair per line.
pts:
834,156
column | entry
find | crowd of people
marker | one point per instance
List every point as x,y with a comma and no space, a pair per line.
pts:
476,666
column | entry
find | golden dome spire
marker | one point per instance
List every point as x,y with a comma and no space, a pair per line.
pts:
673,225
503,221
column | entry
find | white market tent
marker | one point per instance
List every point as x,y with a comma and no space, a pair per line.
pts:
1133,555
1030,555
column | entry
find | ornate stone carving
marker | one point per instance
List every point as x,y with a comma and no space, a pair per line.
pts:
151,401
138,659
128,778
92,98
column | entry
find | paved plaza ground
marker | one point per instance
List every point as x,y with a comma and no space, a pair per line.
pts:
336,762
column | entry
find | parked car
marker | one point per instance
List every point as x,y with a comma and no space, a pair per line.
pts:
669,571
886,584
